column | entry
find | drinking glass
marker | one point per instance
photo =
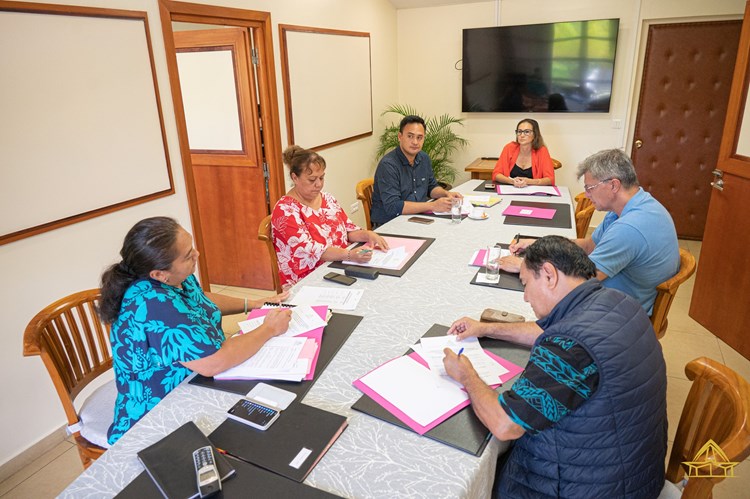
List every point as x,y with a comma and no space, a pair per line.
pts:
492,264
456,210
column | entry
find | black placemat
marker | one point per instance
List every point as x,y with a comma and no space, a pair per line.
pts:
392,272
339,327
561,220
463,430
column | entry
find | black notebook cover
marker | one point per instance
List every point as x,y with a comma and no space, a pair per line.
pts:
561,220
299,427
169,462
248,481
339,327
463,430
506,280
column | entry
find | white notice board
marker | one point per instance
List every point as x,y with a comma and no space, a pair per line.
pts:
80,124
327,85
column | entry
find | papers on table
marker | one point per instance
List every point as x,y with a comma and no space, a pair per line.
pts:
531,190
304,319
529,211
479,256
417,394
391,259
431,350
287,359
336,298
411,387
486,201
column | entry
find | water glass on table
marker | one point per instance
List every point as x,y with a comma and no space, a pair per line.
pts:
456,204
492,264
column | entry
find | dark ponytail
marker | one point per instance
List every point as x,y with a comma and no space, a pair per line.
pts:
149,245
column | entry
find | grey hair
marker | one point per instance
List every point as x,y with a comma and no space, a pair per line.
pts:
607,164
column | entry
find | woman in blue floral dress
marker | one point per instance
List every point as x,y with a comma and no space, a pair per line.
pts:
163,326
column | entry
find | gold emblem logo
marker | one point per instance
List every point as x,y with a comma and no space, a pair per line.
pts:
710,462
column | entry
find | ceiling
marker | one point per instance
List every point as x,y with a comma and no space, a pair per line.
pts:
411,4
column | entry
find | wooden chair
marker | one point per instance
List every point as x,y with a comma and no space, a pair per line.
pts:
584,211
666,291
74,346
717,408
364,194
556,164
264,234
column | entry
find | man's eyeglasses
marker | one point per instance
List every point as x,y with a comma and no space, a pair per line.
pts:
524,132
589,188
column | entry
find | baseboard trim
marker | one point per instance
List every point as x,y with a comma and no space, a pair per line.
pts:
44,445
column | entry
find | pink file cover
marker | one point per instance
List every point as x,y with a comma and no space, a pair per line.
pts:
479,260
512,368
502,189
528,211
315,334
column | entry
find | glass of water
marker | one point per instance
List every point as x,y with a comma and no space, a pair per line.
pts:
456,210
492,264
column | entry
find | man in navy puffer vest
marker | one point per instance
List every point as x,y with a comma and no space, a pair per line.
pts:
589,412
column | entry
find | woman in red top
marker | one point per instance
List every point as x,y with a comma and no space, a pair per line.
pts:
526,160
308,225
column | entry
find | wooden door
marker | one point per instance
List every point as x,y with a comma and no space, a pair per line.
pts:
226,151
721,294
684,93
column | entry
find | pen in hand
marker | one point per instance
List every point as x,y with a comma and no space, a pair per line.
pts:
460,351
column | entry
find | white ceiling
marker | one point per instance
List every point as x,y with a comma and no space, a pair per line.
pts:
411,4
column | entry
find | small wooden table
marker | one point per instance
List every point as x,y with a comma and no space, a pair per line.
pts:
482,168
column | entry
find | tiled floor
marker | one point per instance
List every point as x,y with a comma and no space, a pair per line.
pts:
684,341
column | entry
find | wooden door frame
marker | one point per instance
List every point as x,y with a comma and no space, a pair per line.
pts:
260,22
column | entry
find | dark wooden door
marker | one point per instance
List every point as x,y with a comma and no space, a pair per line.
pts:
227,167
721,294
685,86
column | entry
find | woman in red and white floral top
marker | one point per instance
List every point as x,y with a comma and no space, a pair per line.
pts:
308,225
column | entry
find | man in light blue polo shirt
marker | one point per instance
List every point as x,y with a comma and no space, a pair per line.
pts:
635,248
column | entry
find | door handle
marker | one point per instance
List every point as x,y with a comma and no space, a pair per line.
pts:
718,182
638,144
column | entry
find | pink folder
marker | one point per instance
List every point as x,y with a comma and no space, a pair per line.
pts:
512,368
315,334
528,211
479,260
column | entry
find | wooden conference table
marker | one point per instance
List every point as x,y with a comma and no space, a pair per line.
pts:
371,458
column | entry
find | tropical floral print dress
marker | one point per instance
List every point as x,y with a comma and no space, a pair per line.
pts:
301,235
159,326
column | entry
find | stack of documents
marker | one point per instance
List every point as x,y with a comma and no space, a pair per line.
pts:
335,298
416,389
291,356
485,201
529,190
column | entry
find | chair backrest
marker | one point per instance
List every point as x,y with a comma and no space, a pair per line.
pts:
666,291
717,408
264,234
583,219
364,194
75,348
556,164
582,202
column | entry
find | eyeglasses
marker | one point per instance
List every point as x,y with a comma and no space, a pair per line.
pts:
589,188
524,132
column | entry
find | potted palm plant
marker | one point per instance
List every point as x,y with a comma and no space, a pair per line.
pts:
440,142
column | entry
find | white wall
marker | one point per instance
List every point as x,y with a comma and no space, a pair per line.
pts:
38,270
430,44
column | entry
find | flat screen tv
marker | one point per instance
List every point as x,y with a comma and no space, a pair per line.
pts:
555,67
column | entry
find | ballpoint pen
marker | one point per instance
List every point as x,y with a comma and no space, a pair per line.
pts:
460,351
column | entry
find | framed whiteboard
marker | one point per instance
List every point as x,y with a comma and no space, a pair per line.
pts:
327,85
81,129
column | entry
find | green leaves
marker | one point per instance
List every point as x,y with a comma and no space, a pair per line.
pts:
440,141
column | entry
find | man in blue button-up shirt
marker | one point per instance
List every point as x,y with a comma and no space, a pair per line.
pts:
404,182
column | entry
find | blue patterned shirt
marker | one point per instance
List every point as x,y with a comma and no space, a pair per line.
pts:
159,327
559,377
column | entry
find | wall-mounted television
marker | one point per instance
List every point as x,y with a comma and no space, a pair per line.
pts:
554,67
